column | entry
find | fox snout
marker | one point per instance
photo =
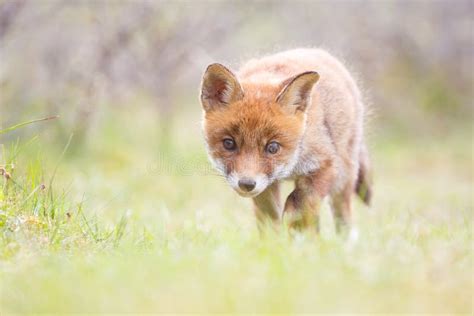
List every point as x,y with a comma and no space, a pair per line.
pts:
247,174
248,185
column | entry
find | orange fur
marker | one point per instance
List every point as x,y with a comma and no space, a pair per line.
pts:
305,101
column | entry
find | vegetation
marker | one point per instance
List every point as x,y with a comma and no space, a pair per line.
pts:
121,225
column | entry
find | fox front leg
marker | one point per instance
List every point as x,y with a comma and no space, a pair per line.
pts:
303,204
268,206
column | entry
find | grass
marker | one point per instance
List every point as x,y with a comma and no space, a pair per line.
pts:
132,222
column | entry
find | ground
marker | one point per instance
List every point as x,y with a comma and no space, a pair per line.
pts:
129,221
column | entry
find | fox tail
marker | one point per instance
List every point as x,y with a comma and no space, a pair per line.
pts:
363,187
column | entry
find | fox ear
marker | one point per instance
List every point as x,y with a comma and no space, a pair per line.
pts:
296,95
219,87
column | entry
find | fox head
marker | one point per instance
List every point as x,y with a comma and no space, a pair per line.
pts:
253,131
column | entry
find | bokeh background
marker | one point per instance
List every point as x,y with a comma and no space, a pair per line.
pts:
124,78
413,58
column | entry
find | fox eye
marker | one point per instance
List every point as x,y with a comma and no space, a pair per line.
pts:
229,144
272,148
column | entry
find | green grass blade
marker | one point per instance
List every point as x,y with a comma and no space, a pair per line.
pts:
14,127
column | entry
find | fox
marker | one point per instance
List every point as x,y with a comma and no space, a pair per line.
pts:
296,115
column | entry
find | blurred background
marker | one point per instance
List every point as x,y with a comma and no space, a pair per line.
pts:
134,200
82,58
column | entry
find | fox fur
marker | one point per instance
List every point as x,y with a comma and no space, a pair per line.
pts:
295,115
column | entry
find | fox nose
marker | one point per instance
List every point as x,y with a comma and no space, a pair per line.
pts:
247,184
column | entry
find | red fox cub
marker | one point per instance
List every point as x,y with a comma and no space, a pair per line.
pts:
294,115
